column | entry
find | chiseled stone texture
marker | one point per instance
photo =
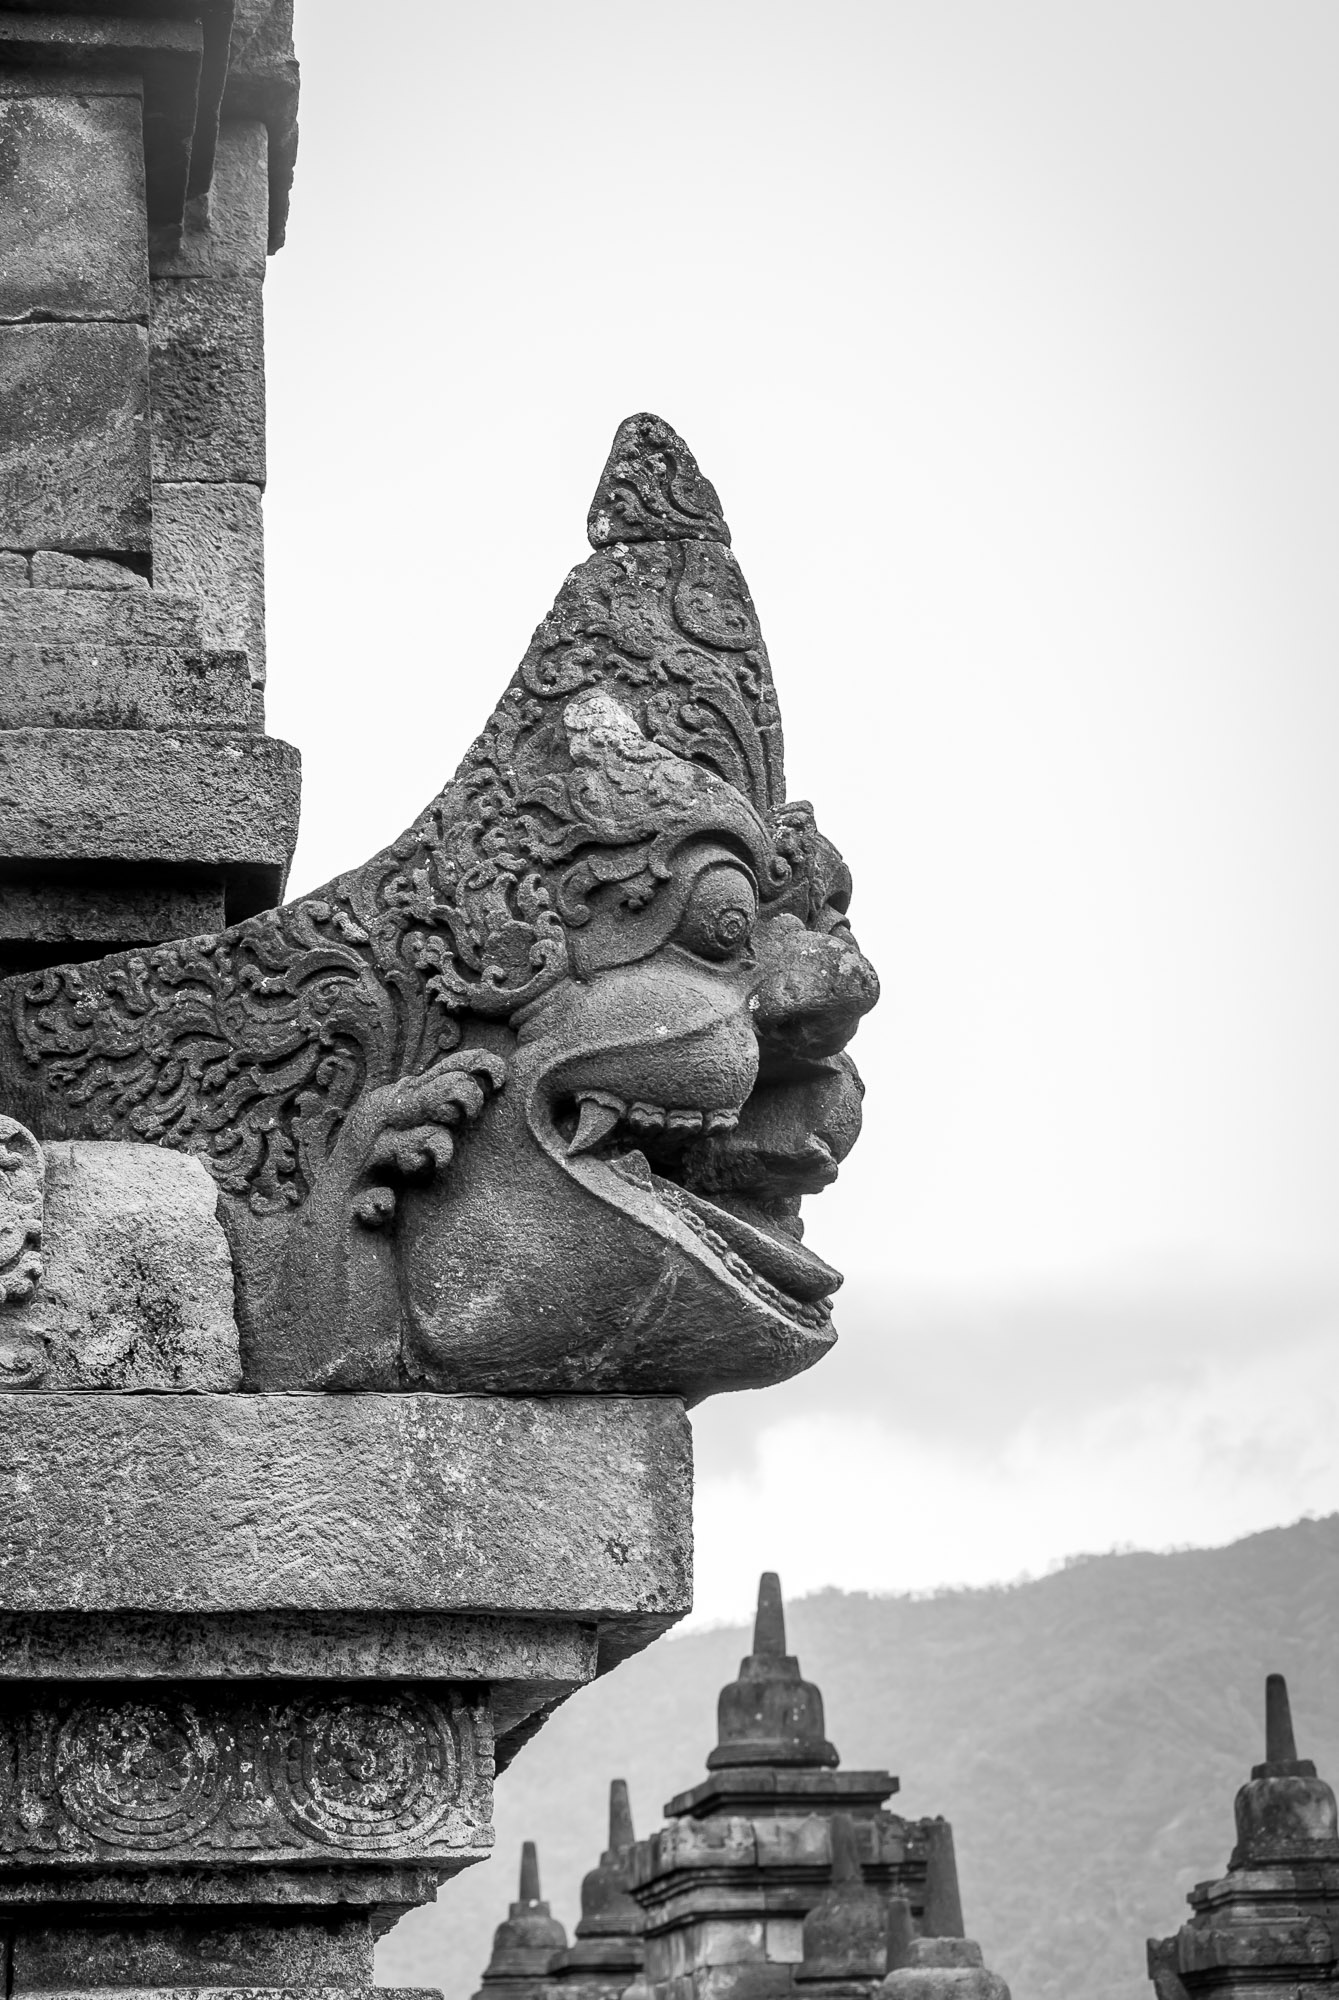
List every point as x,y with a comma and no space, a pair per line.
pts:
231,239
136,1288
208,542
208,798
207,346
74,437
72,220
96,1951
579,1506
94,659
49,570
47,908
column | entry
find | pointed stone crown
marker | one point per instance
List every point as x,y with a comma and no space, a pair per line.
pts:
1284,1812
769,1715
845,1934
607,1909
527,1940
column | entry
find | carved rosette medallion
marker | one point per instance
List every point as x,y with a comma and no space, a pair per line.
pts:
245,1775
364,1773
146,1775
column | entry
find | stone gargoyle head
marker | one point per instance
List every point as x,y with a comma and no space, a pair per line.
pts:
530,1100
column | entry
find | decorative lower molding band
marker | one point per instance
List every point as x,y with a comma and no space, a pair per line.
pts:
240,1775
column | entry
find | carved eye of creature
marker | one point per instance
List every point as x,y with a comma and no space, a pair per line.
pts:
719,916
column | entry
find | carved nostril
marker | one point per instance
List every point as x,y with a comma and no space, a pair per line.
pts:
816,990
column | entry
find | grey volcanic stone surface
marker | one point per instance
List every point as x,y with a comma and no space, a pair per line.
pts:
51,910
124,659
149,795
208,360
577,1505
48,570
208,542
74,437
136,1289
72,242
233,244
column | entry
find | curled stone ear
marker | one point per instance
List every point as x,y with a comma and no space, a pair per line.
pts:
406,1129
22,1204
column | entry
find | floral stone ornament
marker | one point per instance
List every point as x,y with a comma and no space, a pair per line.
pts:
530,1100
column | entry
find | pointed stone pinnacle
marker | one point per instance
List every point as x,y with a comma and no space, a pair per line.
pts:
621,1834
901,1933
529,1891
845,1860
769,1629
1280,1743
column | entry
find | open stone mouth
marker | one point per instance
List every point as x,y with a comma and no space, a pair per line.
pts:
673,1151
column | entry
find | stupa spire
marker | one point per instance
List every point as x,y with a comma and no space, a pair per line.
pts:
769,1716
1281,1890
769,1626
621,1835
526,1943
529,1885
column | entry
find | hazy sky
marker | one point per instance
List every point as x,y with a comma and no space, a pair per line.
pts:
1007,332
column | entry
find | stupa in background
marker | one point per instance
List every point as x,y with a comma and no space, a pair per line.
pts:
525,1942
779,1874
1266,1930
749,1853
605,1957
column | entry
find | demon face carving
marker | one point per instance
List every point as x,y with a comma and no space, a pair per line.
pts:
530,1100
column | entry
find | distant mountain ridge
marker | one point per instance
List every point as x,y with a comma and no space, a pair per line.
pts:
1085,1732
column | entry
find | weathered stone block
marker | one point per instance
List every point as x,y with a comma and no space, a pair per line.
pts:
136,1285
96,1951
132,688
208,541
229,238
50,571
210,798
74,437
207,341
73,241
81,54
50,909
579,1506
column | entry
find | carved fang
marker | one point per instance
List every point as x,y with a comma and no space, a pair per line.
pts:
596,1122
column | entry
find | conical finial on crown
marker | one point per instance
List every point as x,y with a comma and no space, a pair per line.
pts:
1280,1742
845,1935
653,490
529,1885
607,1908
769,1626
621,1835
769,1715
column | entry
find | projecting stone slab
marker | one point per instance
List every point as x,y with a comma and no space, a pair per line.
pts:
50,571
211,799
74,437
230,238
136,1284
207,339
575,1506
142,907
208,542
73,241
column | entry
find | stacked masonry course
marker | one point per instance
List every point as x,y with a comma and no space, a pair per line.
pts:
780,1874
144,173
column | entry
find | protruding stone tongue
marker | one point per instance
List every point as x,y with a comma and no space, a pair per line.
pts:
653,490
769,1715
